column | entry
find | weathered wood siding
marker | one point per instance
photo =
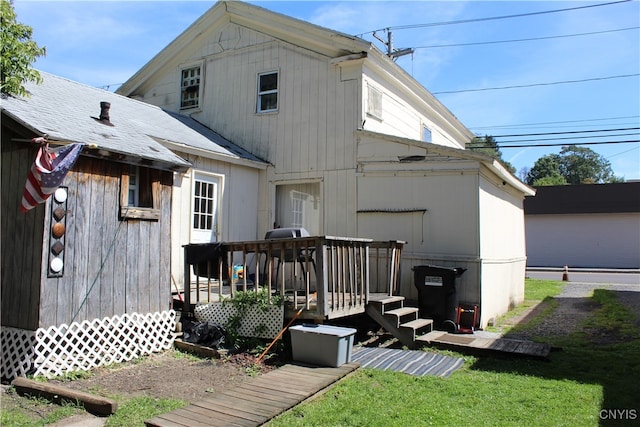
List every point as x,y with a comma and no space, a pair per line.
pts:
21,237
111,267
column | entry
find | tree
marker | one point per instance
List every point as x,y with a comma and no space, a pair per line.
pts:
18,52
488,145
573,165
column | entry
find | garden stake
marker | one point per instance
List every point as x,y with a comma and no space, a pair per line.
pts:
295,316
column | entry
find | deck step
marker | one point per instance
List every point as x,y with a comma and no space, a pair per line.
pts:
417,324
402,311
385,299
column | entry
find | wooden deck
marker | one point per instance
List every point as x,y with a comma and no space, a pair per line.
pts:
487,345
257,400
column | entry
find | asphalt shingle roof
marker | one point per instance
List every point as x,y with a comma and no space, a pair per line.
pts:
67,111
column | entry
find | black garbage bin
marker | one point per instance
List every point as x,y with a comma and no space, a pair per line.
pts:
437,295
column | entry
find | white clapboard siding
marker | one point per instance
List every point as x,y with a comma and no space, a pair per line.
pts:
238,206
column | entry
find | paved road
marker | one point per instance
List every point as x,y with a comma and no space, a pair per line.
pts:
588,276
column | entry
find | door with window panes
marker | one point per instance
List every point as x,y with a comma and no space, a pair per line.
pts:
204,208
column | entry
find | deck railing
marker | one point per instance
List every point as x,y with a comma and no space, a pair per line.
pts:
327,277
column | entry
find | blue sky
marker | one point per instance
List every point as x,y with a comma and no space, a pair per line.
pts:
103,43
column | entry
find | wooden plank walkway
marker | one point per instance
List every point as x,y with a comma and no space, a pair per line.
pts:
487,345
257,400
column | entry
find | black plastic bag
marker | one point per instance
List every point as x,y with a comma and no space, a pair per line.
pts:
207,334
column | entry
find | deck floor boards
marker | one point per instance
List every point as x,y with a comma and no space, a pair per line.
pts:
257,400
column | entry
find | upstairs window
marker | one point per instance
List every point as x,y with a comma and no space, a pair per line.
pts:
374,103
267,92
190,88
426,134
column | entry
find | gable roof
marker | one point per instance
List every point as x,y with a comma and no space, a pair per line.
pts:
301,33
66,112
334,45
585,198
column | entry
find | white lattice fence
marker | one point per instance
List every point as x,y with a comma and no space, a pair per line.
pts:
82,346
255,322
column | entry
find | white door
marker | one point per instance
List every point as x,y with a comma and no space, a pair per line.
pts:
204,208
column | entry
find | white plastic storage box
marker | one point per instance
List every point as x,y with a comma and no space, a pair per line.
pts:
322,344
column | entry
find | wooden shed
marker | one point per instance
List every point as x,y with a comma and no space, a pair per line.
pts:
106,298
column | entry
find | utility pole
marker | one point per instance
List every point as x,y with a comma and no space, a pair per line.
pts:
391,52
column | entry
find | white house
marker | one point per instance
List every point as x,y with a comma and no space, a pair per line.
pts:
355,147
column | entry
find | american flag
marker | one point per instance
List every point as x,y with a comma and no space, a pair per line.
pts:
48,172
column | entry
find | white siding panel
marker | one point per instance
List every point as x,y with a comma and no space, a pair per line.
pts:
584,240
403,115
239,205
501,222
449,225
340,203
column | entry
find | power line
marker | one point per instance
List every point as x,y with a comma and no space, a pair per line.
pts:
554,123
492,18
565,138
525,40
624,152
557,144
565,133
537,84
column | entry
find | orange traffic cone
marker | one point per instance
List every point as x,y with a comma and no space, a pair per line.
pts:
565,275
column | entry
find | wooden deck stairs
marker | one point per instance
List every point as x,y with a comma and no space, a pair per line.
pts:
402,322
414,332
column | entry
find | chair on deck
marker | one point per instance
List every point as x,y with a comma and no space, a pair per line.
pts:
290,255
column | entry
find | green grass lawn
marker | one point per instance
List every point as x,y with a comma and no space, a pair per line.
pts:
570,390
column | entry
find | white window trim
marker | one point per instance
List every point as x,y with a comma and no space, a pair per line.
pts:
259,94
200,86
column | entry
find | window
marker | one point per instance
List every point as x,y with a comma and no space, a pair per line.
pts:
267,92
374,104
137,193
134,188
204,200
190,88
426,134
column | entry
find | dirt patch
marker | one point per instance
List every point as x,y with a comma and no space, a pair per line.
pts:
172,375
169,374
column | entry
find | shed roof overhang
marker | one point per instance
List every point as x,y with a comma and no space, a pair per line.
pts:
374,147
95,150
